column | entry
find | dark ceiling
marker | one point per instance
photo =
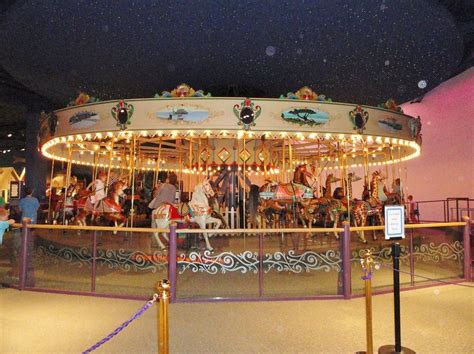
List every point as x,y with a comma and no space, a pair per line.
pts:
352,51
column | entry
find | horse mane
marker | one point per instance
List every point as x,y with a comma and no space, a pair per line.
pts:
199,197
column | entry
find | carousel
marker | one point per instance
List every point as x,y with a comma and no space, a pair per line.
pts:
239,162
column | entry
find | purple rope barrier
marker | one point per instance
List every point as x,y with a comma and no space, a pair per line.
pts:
435,280
145,307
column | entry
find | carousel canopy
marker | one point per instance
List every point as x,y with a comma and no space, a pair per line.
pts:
190,131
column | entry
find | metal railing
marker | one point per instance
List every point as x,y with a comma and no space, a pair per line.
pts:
257,256
454,209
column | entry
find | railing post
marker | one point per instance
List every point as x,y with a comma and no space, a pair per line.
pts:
467,249
23,256
346,261
172,260
260,264
94,262
412,260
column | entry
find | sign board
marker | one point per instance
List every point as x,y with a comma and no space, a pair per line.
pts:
394,222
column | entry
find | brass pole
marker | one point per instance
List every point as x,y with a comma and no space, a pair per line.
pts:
190,162
162,313
132,165
290,156
68,173
283,161
367,262
109,168
50,191
158,161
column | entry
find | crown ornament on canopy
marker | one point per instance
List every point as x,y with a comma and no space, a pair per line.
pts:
306,93
183,90
83,98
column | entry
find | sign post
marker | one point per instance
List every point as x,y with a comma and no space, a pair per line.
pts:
395,230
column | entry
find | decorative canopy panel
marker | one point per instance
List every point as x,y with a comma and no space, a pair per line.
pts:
176,128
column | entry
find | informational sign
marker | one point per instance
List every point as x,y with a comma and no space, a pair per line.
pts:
394,222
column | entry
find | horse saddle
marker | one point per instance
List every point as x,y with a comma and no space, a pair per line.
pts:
373,202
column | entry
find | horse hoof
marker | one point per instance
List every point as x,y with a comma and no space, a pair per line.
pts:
374,238
363,240
210,250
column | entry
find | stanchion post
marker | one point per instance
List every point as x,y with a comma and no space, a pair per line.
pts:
397,348
172,257
163,333
396,295
23,256
367,263
346,261
467,249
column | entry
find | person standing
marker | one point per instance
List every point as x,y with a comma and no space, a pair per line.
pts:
29,206
414,215
166,193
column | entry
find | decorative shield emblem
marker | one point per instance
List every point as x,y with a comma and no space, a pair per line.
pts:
248,114
122,113
359,118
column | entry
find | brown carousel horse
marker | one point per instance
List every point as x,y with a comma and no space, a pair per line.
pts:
277,199
108,208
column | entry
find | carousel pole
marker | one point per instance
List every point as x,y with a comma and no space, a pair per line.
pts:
290,156
68,173
180,168
158,161
109,168
402,195
50,190
348,195
320,169
199,167
190,162
94,167
132,168
283,162
244,201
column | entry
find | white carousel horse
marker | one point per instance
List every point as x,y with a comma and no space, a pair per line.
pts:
108,207
199,211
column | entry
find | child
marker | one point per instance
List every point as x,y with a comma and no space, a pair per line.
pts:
4,223
412,210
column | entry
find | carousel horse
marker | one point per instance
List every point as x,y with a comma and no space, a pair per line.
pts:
108,208
198,211
324,208
277,199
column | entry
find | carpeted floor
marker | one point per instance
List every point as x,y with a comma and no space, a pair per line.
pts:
434,320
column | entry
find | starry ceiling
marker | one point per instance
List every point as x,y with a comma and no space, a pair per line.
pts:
351,51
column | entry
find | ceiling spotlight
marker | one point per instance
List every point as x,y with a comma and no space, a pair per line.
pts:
10,135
